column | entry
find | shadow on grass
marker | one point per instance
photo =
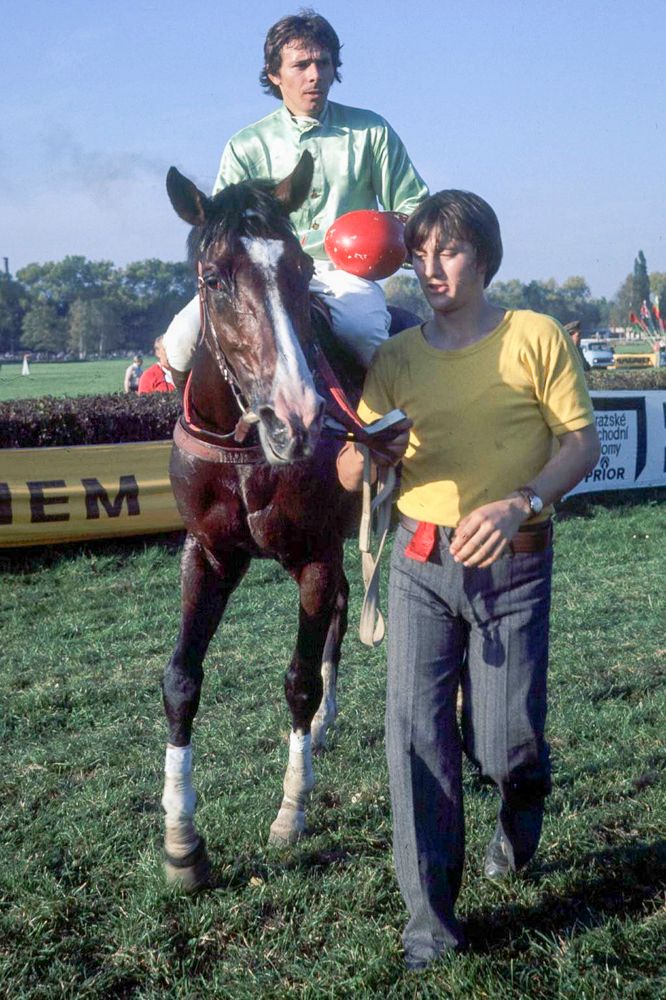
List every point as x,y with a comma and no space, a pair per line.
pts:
583,505
312,863
33,558
630,876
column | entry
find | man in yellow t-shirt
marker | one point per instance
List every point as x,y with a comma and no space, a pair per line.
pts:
501,427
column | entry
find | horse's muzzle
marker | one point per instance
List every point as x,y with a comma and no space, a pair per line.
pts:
290,440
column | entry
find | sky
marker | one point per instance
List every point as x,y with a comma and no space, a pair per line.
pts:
554,111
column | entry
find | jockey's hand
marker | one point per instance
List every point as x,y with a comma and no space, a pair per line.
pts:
384,451
483,535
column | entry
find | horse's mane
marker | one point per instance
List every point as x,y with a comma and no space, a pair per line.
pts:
245,209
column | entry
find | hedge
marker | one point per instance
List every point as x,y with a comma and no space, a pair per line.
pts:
627,378
115,418
50,421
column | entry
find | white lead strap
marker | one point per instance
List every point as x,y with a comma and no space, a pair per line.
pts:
372,627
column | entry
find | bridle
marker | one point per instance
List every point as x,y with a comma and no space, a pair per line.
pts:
248,416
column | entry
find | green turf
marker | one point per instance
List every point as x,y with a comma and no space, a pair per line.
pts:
632,346
84,910
74,378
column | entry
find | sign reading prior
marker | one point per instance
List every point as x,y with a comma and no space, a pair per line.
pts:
632,432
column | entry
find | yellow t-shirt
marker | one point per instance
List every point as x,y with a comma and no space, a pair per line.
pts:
486,417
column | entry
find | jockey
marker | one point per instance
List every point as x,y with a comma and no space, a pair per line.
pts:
358,161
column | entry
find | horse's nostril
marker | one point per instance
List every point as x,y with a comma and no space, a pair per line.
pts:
271,420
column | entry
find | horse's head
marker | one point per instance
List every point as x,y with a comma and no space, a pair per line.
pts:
254,287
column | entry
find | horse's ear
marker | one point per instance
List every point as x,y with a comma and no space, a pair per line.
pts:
294,189
188,201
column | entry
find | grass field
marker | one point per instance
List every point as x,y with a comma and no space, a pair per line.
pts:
73,378
632,346
84,910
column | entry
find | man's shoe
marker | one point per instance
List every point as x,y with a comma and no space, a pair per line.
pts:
496,863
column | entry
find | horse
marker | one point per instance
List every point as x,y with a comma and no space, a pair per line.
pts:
254,476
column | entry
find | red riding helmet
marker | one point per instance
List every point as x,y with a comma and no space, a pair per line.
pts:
366,243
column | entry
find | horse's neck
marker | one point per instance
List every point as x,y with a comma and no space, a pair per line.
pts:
212,403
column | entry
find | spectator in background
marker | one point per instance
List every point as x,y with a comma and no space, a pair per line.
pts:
133,373
157,378
573,329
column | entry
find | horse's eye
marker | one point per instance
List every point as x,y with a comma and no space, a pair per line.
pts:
215,281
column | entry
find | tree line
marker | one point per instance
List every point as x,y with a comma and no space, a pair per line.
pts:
572,300
80,307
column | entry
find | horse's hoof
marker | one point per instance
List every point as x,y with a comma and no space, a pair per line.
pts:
191,873
288,828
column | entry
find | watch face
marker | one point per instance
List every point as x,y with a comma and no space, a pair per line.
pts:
536,503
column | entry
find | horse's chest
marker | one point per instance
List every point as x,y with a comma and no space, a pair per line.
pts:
285,511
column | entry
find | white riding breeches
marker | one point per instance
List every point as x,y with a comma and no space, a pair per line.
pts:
181,336
357,306
359,315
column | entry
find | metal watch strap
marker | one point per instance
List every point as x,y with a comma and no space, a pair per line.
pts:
529,494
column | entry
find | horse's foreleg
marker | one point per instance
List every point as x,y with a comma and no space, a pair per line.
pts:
205,591
328,709
319,585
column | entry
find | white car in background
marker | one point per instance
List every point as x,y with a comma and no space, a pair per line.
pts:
597,353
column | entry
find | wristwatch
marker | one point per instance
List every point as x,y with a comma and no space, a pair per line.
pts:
533,499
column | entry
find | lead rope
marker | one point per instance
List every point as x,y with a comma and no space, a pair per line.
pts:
372,627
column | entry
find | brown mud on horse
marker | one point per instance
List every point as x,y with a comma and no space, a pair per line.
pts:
254,477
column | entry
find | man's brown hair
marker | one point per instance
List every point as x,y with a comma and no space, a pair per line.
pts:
458,215
307,27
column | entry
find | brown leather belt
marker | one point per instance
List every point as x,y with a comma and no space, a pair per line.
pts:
530,538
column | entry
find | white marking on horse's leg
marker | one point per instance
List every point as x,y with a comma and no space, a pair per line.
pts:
179,801
327,712
299,780
328,707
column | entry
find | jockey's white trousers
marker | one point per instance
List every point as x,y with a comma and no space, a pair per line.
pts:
358,313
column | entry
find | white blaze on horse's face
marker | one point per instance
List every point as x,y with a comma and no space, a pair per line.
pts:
294,393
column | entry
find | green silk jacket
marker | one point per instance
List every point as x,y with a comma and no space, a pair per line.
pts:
358,161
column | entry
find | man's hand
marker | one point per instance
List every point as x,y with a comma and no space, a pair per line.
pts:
482,536
350,460
390,452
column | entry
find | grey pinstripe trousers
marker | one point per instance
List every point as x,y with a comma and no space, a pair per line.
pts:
487,630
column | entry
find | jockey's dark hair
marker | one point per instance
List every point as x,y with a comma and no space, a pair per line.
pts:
458,215
307,27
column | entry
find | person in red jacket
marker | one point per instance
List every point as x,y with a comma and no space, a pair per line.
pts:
157,378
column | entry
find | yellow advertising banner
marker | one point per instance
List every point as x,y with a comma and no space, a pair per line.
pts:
52,495
636,360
